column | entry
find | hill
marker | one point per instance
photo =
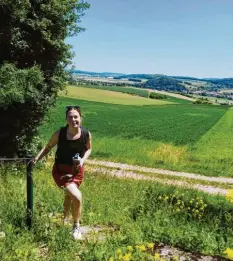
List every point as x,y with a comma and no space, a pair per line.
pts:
166,83
161,81
97,74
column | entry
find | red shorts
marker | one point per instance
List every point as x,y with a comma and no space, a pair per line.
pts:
61,178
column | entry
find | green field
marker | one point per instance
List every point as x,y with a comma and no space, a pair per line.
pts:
182,136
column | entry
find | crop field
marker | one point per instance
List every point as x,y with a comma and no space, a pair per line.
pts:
138,92
110,97
183,137
129,90
117,95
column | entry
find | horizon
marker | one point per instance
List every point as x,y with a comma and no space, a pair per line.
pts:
188,76
157,37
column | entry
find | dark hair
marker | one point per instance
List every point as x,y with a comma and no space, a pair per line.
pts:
71,107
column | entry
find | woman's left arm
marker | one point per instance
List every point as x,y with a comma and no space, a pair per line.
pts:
88,151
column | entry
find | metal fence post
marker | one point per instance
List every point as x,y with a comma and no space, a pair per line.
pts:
29,213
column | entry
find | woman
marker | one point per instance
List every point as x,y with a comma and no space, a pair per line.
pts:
68,172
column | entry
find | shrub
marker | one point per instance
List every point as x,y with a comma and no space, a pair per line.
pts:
154,95
33,58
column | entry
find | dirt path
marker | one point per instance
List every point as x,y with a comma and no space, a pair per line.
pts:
137,172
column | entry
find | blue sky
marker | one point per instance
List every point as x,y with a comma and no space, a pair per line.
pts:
172,37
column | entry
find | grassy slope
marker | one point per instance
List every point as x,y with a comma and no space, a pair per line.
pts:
143,214
111,97
130,90
127,91
215,147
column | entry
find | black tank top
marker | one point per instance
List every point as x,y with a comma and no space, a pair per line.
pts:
66,149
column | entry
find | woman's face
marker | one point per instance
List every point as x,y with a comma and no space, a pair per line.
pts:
73,118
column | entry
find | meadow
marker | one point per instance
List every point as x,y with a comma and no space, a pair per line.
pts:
143,217
110,97
177,136
117,95
122,89
137,216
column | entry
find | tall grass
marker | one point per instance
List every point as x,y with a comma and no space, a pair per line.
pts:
139,211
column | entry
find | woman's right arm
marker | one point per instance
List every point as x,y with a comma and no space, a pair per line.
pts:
52,142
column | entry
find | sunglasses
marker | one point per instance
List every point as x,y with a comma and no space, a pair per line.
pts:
72,107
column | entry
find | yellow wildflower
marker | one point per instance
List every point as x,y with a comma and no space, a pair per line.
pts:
111,258
157,256
229,253
118,251
126,257
150,245
229,195
130,248
120,257
142,248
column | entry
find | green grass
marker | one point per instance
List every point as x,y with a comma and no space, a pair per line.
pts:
139,211
168,136
218,143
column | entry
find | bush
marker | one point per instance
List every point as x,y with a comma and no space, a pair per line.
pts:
202,101
33,58
154,95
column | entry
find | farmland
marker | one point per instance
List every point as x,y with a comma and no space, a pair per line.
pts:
172,136
175,134
124,96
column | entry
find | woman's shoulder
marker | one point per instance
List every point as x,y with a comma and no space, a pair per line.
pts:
85,132
61,130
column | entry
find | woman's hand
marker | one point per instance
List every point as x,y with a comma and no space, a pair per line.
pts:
33,161
78,162
81,162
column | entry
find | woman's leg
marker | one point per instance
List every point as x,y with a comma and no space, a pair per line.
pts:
76,197
67,205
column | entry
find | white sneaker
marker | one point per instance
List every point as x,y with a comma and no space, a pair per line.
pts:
76,233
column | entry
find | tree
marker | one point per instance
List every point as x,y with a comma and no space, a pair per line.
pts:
33,59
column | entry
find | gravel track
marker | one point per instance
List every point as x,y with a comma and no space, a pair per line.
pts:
137,172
